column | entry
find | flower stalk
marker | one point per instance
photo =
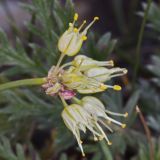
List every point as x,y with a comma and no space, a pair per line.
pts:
24,82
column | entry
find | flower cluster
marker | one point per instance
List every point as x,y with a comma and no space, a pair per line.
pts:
85,76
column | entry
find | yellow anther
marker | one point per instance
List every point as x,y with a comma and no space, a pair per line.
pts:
109,143
96,18
126,114
103,87
111,62
70,25
95,139
117,87
123,125
81,142
83,154
75,16
125,71
109,122
75,30
84,38
101,138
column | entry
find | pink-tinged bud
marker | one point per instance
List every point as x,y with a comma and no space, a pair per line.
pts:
67,94
47,85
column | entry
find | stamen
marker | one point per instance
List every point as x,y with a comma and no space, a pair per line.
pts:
111,62
84,38
116,114
117,87
123,125
70,25
95,138
75,30
109,143
118,73
75,16
103,87
109,122
93,131
101,138
95,19
126,114
101,130
84,22
106,125
114,121
125,71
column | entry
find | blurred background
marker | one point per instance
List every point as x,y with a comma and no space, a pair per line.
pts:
30,124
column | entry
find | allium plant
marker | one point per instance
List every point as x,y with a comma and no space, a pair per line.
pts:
82,75
85,76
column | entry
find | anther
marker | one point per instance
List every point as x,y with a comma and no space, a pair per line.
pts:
95,139
117,87
101,138
75,30
96,18
125,71
111,62
84,38
109,122
102,86
126,114
75,16
70,25
123,125
109,143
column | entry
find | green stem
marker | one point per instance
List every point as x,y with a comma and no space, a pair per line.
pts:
59,62
63,101
77,100
140,41
65,65
24,82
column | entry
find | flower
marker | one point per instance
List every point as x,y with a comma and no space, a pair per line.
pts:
103,74
82,83
84,63
82,75
72,39
89,113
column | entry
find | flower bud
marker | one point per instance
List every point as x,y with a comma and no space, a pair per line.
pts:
102,74
84,63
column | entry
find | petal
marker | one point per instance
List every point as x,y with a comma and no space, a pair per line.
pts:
65,40
101,74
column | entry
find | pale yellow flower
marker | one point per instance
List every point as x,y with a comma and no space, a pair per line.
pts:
103,74
89,113
82,83
72,39
84,63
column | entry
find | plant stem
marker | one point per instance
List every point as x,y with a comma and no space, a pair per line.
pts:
24,82
148,133
59,62
77,100
63,101
137,60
